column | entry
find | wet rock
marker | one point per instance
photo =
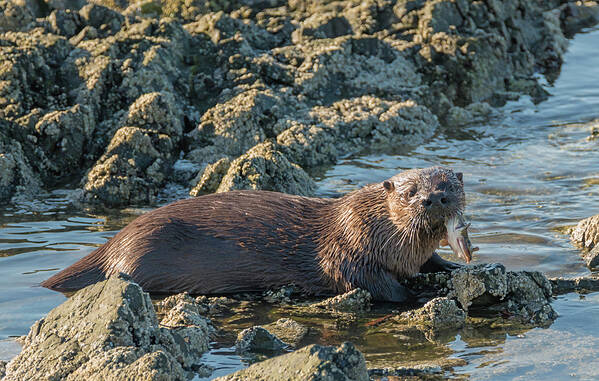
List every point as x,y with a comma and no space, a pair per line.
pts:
282,295
437,315
586,232
16,175
482,284
561,286
487,290
353,301
209,180
523,295
62,137
416,372
132,170
2,368
264,167
258,339
313,362
15,15
288,330
235,126
322,79
575,16
529,295
348,67
591,258
322,26
101,18
107,331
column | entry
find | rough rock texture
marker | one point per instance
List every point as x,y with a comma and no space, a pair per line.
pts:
110,331
288,330
2,368
311,363
424,372
586,233
561,286
353,301
438,314
251,94
258,339
491,291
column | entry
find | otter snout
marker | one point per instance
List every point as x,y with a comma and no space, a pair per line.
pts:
436,199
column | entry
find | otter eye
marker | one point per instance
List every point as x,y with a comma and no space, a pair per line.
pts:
412,191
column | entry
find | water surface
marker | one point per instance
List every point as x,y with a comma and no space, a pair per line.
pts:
529,173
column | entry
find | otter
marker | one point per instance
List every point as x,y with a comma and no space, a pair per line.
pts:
248,241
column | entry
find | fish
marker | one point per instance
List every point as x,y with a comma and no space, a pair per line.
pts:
457,237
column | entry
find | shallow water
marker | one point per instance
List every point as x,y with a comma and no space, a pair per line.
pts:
529,173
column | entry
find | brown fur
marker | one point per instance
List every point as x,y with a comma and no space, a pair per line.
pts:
254,240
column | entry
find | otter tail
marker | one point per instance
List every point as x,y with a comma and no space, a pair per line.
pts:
82,273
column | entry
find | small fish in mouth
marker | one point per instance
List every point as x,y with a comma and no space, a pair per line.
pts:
457,237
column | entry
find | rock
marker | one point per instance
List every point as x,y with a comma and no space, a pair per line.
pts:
258,339
426,372
352,301
488,290
204,81
522,295
2,368
586,233
528,299
437,315
108,330
281,296
264,167
132,170
561,286
313,362
209,180
488,282
16,175
61,137
288,330
591,258
15,15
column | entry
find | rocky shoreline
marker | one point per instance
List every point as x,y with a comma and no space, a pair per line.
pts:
122,100
111,330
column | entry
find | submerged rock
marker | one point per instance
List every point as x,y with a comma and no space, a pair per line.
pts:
110,331
356,300
288,330
424,372
258,339
313,362
561,286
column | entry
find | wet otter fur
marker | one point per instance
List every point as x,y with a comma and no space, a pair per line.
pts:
254,240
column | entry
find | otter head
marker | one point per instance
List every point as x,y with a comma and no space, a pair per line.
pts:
422,200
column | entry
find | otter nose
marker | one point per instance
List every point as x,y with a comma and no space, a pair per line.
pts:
435,199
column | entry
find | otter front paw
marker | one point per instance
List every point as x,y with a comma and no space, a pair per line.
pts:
437,264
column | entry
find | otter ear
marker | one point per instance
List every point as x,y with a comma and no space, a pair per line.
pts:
460,176
389,186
